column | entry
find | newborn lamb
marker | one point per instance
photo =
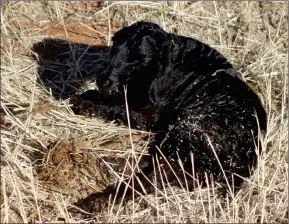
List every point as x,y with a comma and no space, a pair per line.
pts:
186,93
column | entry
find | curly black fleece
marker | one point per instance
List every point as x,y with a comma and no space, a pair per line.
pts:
187,93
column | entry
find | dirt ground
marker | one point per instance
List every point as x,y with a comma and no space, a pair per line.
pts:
51,158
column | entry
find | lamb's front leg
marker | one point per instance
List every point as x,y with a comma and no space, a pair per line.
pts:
109,108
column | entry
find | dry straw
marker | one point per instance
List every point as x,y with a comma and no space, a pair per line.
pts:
254,37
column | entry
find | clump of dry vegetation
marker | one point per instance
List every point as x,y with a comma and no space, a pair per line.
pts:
50,157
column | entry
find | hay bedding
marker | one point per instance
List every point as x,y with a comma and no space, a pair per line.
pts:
264,199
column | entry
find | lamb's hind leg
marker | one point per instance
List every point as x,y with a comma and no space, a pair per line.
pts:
121,191
156,175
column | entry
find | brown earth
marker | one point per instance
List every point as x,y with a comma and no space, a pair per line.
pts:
70,168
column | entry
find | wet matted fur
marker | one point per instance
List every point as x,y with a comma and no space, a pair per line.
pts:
188,94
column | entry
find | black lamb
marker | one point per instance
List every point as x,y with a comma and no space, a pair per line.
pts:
188,94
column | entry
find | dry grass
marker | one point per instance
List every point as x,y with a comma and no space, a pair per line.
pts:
253,35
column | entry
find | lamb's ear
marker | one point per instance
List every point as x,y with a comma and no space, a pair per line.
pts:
147,25
136,28
154,41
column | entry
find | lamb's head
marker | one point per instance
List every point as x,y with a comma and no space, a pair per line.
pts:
133,57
